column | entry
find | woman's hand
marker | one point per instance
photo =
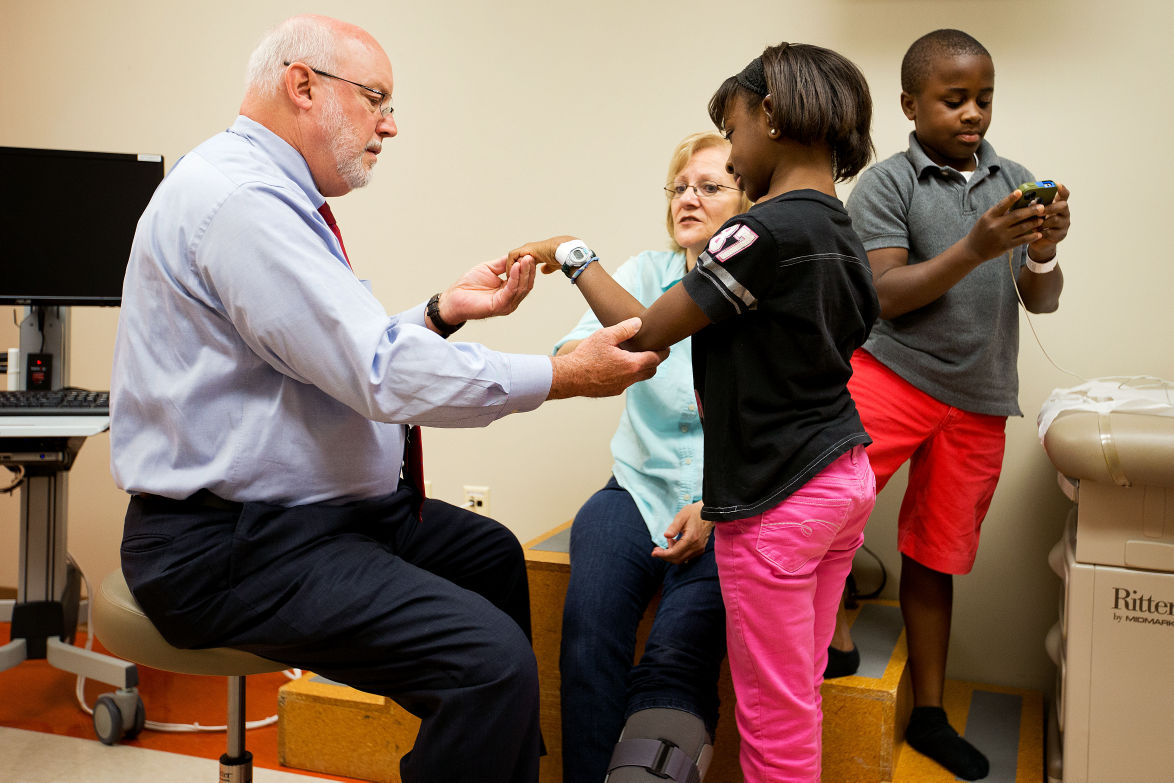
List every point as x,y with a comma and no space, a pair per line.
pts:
686,536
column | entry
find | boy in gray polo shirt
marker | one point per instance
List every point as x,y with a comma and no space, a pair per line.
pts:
937,378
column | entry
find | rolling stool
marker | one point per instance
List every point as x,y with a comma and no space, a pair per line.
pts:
125,631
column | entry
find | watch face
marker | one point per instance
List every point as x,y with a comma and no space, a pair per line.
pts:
575,259
577,256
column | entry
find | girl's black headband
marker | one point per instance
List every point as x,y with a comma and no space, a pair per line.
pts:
753,77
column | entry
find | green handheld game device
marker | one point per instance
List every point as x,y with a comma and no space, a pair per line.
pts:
1042,192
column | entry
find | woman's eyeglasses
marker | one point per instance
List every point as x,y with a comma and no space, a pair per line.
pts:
702,189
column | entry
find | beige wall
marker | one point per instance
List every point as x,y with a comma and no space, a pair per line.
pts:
522,119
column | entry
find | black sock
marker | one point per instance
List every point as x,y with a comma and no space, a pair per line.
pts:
840,663
930,733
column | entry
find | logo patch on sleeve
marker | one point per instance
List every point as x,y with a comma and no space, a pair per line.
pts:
731,241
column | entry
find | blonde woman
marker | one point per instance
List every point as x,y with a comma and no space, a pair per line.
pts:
642,533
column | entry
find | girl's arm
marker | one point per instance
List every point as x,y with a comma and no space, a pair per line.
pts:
670,319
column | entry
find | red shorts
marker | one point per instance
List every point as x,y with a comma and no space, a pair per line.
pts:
954,456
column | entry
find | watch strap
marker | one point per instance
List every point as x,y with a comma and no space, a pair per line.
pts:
433,310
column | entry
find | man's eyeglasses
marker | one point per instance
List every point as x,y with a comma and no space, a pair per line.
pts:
702,189
382,105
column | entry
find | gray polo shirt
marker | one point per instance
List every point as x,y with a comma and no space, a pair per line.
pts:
963,347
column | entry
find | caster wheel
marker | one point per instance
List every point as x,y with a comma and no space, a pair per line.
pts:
107,719
140,720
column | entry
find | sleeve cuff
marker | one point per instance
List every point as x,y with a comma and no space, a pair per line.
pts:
532,376
415,315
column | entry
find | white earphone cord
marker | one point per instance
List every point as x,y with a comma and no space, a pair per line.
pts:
1015,285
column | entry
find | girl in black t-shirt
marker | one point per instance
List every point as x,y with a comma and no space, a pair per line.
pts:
779,300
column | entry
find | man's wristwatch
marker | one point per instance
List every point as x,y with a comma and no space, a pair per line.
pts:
433,311
574,256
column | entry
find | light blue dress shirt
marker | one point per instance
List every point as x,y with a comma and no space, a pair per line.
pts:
658,446
251,362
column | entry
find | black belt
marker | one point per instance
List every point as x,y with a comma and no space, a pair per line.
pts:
202,498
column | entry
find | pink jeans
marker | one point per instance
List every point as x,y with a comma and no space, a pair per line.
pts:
782,573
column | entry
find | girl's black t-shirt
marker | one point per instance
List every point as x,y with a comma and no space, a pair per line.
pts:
789,292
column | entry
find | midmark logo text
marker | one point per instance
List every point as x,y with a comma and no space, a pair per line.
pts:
1142,605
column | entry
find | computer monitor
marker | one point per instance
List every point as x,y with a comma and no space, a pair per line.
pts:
67,219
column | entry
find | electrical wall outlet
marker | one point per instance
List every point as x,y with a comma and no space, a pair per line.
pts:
477,499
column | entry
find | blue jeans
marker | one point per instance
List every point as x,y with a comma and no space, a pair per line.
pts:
613,579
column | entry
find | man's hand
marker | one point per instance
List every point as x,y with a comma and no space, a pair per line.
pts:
1057,219
598,367
542,252
686,536
484,293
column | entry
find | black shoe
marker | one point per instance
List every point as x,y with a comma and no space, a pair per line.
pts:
840,663
931,734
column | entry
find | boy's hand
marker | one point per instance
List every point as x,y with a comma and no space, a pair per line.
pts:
1000,228
542,252
1057,218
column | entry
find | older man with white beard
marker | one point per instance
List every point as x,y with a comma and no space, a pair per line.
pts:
261,403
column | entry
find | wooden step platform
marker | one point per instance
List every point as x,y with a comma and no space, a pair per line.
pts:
327,727
864,715
1006,724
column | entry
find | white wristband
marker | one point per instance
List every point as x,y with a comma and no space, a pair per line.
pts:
560,253
1042,267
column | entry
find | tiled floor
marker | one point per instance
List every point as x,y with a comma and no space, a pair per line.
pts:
34,757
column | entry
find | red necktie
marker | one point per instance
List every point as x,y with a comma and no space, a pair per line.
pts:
414,464
328,216
413,470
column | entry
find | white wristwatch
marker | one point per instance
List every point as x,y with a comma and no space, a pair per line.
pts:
574,256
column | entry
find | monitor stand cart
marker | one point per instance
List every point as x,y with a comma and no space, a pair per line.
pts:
44,614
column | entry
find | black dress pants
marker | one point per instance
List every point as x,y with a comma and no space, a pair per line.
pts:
434,614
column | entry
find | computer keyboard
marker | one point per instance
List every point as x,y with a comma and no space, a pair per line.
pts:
57,402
